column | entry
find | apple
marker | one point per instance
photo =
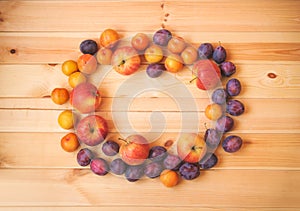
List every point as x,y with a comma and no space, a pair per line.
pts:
135,150
92,130
85,98
125,60
190,147
140,41
208,74
176,44
189,55
104,56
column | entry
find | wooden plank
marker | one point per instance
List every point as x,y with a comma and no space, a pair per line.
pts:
201,16
80,16
260,151
93,16
40,80
149,208
60,187
258,117
57,47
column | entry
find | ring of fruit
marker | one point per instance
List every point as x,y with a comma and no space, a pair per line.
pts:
134,157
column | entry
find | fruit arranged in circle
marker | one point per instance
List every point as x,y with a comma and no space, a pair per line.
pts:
219,96
69,67
235,107
60,95
176,44
104,56
84,157
85,98
76,78
109,38
190,147
140,41
125,60
210,161
212,137
172,162
208,74
88,47
232,143
92,130
227,68
154,54
134,173
173,63
99,166
219,54
162,37
155,70
213,111
110,148
224,124
189,171
169,178
87,64
70,142
189,55
205,51
233,87
134,150
153,169
192,151
66,119
157,153
118,166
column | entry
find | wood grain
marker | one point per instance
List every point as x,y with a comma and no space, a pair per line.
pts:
42,48
39,80
260,151
94,16
83,188
257,113
262,38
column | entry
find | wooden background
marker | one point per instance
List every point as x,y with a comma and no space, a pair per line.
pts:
262,37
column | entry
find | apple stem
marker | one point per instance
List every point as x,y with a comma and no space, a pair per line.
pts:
122,62
219,43
121,139
193,79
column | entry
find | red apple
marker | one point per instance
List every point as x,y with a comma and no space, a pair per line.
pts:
85,98
140,41
208,74
125,60
92,130
135,150
191,148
